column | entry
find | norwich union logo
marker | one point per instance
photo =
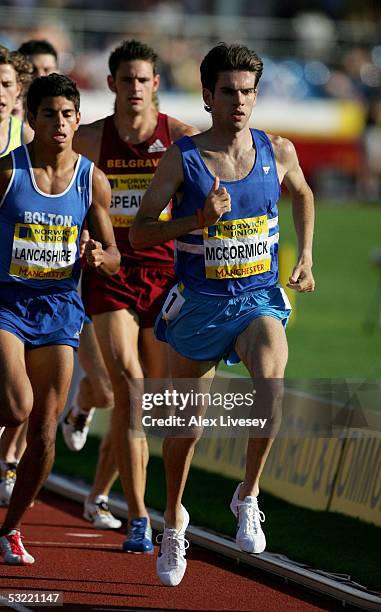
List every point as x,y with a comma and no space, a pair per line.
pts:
25,232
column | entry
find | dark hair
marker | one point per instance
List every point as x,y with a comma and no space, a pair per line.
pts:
51,86
224,58
131,50
22,66
35,47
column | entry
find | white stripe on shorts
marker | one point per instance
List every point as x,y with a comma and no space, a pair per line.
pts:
286,301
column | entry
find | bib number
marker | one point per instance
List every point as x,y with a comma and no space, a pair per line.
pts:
173,303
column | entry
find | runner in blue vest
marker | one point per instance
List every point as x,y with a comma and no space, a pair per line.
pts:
47,190
225,184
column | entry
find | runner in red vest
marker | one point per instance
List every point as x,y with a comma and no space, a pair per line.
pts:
128,146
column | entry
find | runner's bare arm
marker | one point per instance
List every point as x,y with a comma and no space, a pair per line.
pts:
101,250
303,212
87,140
147,230
6,166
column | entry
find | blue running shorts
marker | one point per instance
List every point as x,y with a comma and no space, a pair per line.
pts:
40,320
205,327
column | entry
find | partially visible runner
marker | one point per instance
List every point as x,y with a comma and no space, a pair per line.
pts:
47,192
44,60
128,146
43,56
94,391
225,184
15,76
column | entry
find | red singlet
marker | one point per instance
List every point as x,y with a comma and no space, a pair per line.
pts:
146,275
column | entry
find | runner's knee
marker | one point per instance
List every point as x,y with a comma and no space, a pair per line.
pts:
124,372
187,444
16,407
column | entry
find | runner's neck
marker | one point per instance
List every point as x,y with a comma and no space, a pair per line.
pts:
41,157
228,142
137,128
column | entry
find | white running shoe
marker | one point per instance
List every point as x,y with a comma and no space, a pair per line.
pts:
250,537
75,428
13,549
171,563
7,481
99,514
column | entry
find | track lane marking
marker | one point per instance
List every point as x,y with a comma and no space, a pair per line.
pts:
84,535
71,544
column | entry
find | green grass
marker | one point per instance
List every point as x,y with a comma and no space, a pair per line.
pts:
328,338
323,540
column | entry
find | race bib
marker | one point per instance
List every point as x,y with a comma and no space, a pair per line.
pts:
238,248
45,252
127,193
173,303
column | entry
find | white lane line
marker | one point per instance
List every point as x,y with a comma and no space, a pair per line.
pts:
84,535
72,544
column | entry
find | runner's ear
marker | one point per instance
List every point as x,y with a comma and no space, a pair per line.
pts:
111,83
78,120
156,82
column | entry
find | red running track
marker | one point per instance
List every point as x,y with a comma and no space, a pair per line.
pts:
93,573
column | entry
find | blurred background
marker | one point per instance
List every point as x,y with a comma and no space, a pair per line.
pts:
322,68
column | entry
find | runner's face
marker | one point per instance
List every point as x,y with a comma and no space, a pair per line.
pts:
134,85
56,122
233,99
9,90
43,64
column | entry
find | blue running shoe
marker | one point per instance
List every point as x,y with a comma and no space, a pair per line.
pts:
139,537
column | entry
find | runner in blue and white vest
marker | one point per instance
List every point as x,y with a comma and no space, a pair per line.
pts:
46,193
228,304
